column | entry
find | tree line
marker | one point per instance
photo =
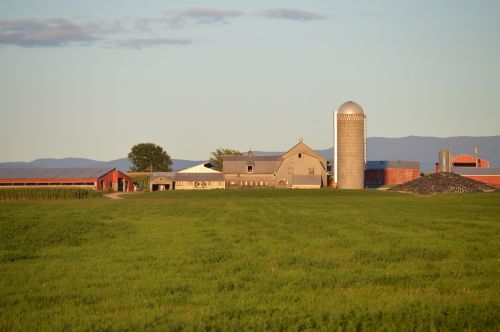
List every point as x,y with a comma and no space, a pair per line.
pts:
150,157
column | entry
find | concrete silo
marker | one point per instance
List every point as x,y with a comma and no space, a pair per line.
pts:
349,146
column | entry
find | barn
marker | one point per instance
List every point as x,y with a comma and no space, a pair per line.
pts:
467,160
94,178
390,172
201,176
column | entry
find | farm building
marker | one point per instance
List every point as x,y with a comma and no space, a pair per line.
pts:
161,181
201,177
202,181
299,167
488,175
467,160
391,172
95,178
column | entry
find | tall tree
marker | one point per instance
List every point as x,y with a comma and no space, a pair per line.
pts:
149,157
216,156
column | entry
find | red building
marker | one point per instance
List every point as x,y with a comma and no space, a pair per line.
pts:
95,178
467,160
488,175
390,172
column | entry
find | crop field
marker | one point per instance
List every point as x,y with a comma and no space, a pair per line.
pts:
31,193
252,260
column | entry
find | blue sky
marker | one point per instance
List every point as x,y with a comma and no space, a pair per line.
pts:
92,78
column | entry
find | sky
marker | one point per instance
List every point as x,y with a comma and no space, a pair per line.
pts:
92,78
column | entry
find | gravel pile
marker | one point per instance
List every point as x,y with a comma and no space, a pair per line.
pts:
443,183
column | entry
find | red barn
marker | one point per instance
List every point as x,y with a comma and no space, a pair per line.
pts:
390,172
95,178
467,160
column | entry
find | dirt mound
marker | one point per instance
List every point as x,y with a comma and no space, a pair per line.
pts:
443,183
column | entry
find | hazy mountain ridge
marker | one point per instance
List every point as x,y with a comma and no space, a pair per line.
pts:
422,148
121,164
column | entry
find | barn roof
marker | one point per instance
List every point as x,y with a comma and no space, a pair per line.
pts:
383,164
53,173
254,158
199,177
477,170
166,175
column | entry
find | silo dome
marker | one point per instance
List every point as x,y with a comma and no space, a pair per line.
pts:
350,107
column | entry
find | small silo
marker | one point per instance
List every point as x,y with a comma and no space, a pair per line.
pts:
349,146
445,160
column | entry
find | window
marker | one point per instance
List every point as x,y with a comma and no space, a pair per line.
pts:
250,169
311,170
300,155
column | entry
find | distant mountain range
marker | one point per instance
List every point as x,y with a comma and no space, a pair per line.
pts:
423,149
122,163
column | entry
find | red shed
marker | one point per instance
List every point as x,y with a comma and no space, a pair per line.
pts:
390,172
94,178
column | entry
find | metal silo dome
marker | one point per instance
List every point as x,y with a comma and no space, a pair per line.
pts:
350,107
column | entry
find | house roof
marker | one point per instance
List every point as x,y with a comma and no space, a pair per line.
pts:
383,164
199,177
53,173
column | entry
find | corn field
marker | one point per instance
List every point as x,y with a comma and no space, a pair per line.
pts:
12,194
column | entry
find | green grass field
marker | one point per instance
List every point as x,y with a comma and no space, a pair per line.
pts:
252,259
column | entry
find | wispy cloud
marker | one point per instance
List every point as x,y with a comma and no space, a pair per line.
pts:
53,32
208,15
197,15
292,14
58,32
139,43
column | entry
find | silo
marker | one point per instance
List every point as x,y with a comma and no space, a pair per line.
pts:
445,157
349,146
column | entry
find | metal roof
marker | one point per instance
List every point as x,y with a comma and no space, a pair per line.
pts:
199,177
383,164
166,175
350,107
251,158
477,170
53,173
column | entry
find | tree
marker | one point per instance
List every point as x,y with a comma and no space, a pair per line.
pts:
149,157
216,156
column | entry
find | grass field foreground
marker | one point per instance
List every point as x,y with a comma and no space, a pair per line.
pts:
252,259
